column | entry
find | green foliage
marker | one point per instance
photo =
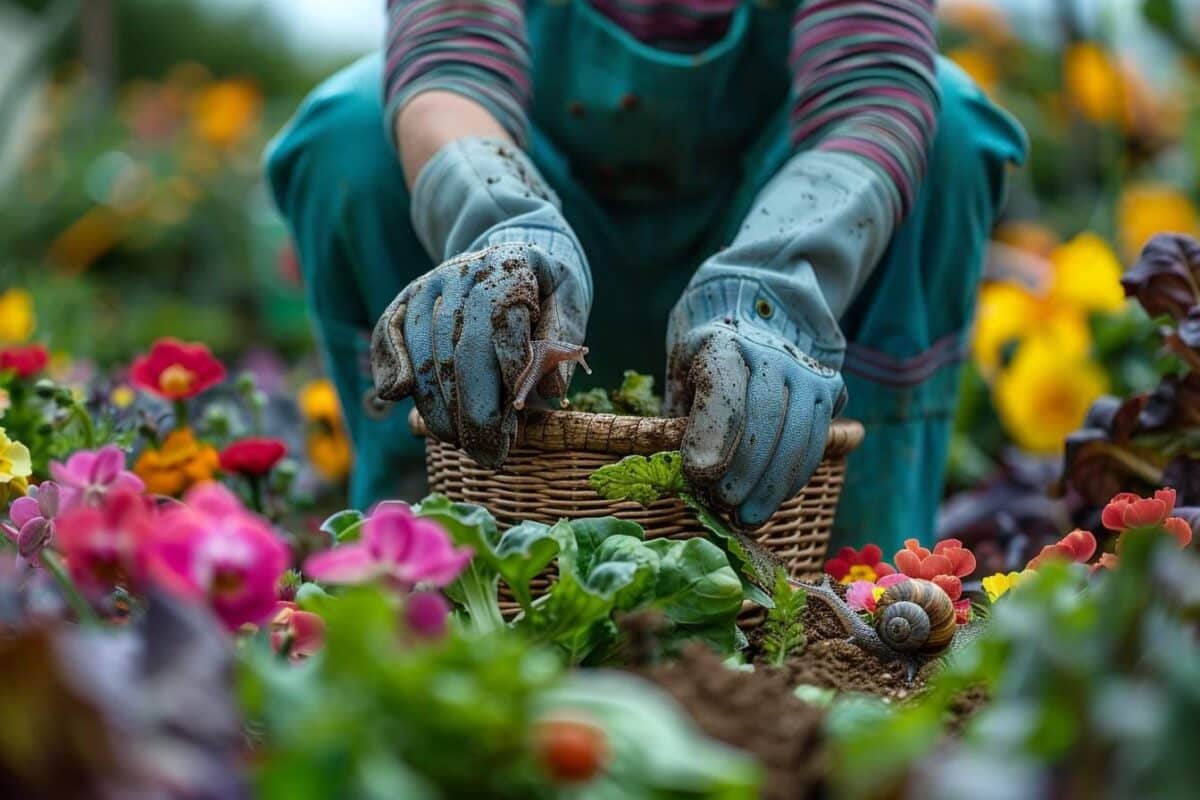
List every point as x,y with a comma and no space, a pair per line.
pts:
635,397
646,479
374,715
604,566
344,526
783,632
1094,685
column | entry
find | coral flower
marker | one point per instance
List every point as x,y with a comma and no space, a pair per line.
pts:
176,370
1078,546
863,595
16,464
850,565
212,548
88,476
24,360
180,462
253,456
106,546
301,632
17,320
397,546
1128,511
946,565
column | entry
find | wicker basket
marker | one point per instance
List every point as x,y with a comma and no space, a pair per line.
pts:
546,479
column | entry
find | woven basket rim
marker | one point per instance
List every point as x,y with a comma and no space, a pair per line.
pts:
551,431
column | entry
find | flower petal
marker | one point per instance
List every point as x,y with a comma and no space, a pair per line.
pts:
1145,513
891,580
22,510
950,584
936,565
1167,496
351,563
871,554
909,563
860,596
1180,529
109,461
1081,543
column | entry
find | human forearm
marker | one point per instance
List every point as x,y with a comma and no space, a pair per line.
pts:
434,119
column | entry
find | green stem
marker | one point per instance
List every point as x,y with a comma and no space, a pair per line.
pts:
256,494
480,596
83,610
181,415
85,422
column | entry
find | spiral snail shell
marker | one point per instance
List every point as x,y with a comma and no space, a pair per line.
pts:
915,616
914,621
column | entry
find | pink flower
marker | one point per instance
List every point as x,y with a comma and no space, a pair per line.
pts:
301,632
395,545
211,548
850,565
1127,511
1078,546
426,614
88,476
33,515
106,547
946,566
862,595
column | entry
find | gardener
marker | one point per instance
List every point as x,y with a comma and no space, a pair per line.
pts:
796,200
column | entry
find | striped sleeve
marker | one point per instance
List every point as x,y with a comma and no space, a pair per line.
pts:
864,83
475,48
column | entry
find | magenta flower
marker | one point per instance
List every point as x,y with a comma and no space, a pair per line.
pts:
88,477
212,549
106,546
862,595
395,545
33,515
425,614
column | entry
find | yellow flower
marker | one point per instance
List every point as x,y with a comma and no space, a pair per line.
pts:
1093,82
979,64
1045,393
1087,275
318,401
997,585
178,463
226,112
330,454
16,316
1149,208
1009,313
1027,235
15,464
122,396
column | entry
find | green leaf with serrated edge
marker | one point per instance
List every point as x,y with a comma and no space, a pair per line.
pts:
636,396
344,526
783,631
641,479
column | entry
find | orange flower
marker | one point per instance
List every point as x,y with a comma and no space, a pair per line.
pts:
178,463
226,112
1093,83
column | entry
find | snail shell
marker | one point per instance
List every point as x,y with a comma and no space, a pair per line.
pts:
915,616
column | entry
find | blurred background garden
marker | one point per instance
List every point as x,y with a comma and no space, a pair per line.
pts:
132,207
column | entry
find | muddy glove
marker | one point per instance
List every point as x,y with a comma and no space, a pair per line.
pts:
458,338
754,343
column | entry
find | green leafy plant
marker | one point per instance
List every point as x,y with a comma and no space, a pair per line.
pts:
645,479
783,632
377,714
604,566
635,397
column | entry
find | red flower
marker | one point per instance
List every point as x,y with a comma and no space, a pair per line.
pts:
177,370
946,566
1078,546
851,565
1126,510
254,456
25,360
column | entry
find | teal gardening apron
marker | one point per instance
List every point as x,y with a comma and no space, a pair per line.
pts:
657,156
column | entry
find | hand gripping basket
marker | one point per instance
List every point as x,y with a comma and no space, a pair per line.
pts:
546,479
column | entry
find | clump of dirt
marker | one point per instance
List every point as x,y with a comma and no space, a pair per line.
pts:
753,711
964,706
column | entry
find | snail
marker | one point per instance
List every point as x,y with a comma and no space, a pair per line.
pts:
914,621
545,355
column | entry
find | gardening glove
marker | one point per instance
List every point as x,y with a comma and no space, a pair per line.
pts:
754,344
458,337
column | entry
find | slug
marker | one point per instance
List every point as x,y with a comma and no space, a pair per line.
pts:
545,355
